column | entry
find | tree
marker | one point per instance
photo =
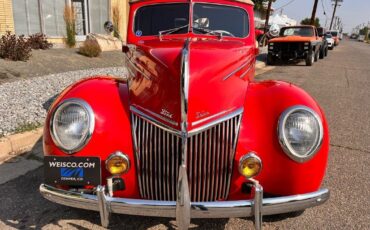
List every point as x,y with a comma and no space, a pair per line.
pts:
261,4
258,4
307,21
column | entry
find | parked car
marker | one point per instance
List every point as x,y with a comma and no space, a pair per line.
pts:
189,133
361,38
324,47
293,43
330,41
335,34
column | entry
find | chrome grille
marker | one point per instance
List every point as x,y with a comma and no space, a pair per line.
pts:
209,159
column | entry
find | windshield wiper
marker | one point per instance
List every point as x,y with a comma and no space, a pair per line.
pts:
208,31
173,30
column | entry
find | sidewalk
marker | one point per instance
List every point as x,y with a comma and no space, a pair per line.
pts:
261,66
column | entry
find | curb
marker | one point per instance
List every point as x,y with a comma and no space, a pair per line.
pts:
17,144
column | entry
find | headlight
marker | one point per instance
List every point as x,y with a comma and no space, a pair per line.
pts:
72,125
300,133
306,43
117,163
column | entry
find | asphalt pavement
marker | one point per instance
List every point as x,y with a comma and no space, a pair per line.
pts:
340,83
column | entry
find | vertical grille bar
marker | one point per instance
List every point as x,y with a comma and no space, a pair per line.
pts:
210,155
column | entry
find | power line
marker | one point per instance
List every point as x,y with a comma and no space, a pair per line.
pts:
284,5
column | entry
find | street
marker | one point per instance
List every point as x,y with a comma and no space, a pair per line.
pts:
341,85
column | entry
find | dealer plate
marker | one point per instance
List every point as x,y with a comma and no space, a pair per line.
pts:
74,171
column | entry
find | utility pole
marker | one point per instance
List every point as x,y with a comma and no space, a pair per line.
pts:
335,9
313,17
268,15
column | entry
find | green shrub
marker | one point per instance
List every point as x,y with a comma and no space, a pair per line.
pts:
39,41
90,48
70,20
14,47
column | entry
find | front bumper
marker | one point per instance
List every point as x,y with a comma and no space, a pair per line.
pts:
222,209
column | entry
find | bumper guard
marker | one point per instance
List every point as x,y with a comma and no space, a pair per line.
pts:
222,209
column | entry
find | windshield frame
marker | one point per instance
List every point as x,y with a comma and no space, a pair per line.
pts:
190,25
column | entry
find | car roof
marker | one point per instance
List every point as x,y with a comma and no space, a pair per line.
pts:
300,26
249,2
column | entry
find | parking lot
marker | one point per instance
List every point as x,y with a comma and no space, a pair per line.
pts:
341,85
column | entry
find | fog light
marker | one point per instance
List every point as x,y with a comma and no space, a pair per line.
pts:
117,163
250,165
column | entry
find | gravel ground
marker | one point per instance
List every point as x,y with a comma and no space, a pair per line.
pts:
25,103
52,61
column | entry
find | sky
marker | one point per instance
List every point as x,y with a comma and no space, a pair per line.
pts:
351,12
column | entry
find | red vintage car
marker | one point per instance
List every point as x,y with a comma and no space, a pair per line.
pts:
189,133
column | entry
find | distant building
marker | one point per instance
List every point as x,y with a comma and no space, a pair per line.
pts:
46,16
282,20
260,17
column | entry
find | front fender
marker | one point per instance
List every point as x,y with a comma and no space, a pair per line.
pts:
108,97
265,102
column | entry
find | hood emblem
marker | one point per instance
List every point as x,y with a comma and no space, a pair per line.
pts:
166,113
200,115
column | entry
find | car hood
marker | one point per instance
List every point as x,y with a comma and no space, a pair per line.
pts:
215,86
292,39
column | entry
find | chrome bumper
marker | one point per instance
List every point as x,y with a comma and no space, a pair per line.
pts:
222,209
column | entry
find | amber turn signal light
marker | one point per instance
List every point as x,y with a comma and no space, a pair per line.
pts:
250,165
117,163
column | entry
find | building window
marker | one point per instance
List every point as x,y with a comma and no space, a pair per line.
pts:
46,16
52,14
98,15
26,17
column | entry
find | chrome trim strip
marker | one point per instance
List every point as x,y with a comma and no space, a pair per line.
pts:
236,70
218,209
91,117
284,142
247,71
183,195
154,121
249,61
216,122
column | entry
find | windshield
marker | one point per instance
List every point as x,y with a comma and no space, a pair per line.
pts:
297,31
334,33
230,21
150,20
328,36
207,19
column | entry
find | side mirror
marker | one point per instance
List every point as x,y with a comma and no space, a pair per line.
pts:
201,23
108,27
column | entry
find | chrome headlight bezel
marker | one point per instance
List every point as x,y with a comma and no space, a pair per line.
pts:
91,116
287,148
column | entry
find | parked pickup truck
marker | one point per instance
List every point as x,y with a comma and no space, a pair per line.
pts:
293,43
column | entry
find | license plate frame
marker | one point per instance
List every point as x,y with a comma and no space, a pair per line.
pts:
72,171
